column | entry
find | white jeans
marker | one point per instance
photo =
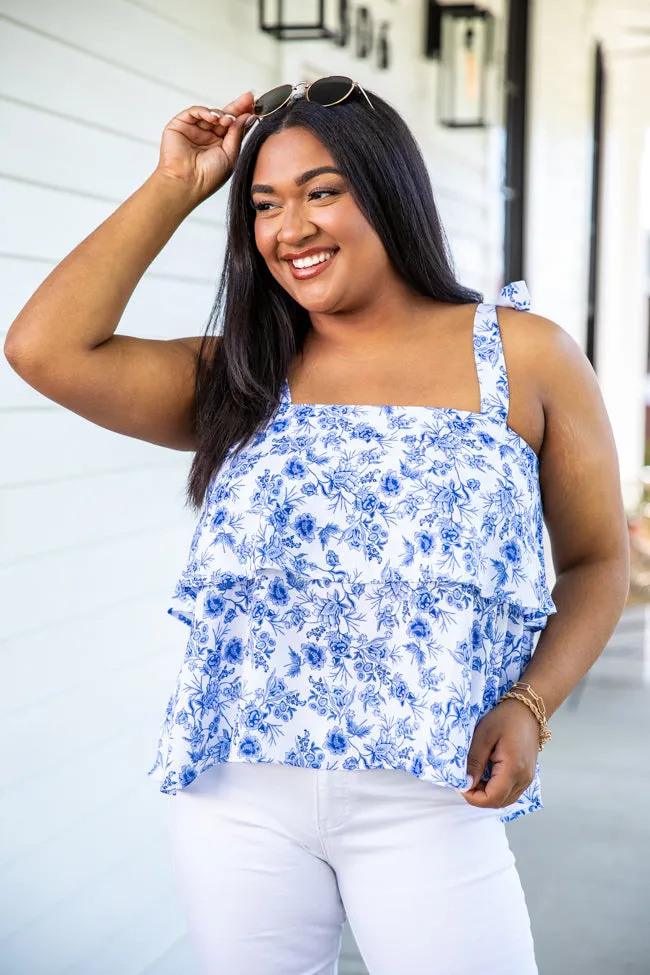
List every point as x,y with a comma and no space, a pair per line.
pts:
270,859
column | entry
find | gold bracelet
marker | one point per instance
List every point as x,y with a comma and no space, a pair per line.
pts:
538,709
538,700
539,703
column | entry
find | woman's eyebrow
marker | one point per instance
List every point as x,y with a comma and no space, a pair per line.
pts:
300,180
311,173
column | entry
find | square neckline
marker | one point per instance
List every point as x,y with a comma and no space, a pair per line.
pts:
402,406
450,410
484,415
377,406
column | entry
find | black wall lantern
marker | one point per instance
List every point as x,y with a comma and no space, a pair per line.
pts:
294,20
461,37
304,20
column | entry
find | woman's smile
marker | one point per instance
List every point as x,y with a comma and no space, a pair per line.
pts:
310,263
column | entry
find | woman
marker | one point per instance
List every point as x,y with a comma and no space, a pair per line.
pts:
357,714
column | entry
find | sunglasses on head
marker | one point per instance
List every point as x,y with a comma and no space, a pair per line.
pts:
325,91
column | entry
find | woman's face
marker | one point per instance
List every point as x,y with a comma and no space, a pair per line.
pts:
306,214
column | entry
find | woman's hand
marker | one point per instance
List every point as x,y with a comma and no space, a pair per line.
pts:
200,145
508,736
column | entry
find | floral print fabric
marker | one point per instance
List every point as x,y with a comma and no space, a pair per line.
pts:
364,583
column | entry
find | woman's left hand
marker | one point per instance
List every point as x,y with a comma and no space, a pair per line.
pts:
508,736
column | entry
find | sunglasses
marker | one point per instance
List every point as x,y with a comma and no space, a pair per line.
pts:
325,91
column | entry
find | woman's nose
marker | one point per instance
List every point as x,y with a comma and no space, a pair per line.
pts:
294,226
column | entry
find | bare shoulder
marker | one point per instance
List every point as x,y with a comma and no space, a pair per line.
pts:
533,335
546,357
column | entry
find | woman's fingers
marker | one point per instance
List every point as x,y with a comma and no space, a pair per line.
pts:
508,779
217,119
208,119
482,744
233,138
500,785
243,105
240,105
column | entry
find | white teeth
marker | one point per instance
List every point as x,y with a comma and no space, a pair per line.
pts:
312,259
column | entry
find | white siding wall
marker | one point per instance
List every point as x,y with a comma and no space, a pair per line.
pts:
93,526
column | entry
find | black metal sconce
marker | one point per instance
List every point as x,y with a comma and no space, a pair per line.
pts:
284,28
357,25
460,36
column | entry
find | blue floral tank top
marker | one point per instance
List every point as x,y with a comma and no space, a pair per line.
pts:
364,583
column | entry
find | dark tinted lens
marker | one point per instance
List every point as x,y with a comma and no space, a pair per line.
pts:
328,91
272,100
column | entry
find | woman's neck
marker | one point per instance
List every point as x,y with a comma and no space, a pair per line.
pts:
381,326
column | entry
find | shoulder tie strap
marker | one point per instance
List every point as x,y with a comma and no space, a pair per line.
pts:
515,295
488,349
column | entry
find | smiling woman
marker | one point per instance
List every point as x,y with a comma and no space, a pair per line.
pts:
359,710
347,184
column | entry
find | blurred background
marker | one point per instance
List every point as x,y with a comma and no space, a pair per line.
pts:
533,117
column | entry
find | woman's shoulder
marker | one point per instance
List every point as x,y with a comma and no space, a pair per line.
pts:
543,349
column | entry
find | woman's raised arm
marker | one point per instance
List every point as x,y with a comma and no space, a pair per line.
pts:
63,343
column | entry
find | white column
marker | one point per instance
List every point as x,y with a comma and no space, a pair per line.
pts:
622,324
558,171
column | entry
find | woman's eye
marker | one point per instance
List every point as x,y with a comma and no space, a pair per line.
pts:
265,206
318,194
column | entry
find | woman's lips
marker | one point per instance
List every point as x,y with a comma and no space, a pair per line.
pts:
301,273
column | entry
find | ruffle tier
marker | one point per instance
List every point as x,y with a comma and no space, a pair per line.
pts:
489,577
334,673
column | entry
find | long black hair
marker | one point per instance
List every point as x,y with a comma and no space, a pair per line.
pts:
239,381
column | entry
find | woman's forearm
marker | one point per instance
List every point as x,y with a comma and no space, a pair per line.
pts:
79,305
590,599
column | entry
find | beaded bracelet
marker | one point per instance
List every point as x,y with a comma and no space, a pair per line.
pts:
536,706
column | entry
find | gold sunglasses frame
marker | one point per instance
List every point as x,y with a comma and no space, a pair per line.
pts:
305,86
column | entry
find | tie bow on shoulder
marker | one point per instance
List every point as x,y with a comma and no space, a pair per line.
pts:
515,295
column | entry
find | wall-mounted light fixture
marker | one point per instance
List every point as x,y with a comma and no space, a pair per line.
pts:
305,20
460,37
294,20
